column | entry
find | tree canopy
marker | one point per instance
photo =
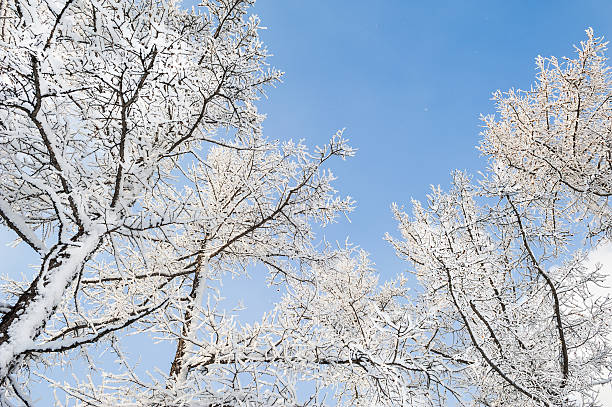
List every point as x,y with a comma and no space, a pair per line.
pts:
135,167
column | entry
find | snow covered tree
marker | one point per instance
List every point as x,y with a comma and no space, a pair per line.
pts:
108,111
102,102
502,261
134,166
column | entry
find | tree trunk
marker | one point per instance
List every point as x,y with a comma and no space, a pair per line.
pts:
177,370
28,316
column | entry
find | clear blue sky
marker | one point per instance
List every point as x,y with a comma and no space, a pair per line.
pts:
408,80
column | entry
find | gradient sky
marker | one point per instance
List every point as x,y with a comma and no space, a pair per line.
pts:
408,80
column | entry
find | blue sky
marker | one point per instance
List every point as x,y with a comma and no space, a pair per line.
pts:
409,81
